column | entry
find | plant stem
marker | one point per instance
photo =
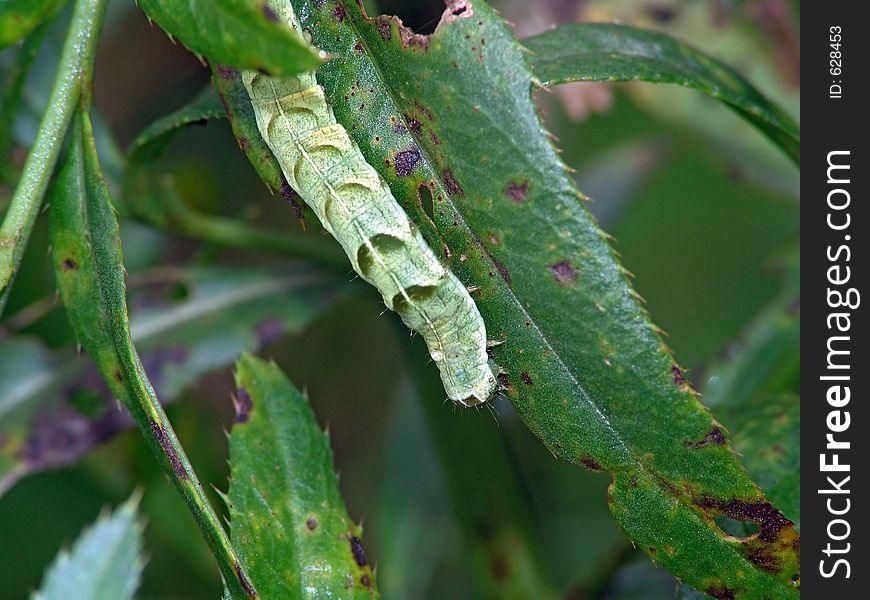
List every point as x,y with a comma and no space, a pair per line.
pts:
238,234
74,74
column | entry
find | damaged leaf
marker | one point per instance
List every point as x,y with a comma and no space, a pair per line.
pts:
287,517
608,52
583,365
241,33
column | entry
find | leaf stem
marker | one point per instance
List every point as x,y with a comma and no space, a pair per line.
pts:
89,269
74,74
229,232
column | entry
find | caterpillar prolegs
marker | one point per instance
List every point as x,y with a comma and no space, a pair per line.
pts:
352,201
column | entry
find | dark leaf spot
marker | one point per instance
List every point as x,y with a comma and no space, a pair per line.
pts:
502,270
414,125
713,437
69,264
677,374
163,439
356,549
765,560
244,405
769,519
564,272
311,523
406,161
270,13
451,184
721,593
339,13
366,581
517,192
525,377
590,463
225,72
244,582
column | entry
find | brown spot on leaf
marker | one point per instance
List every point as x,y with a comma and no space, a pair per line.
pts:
339,13
768,518
406,161
525,378
720,593
358,48
517,191
69,264
406,34
269,13
714,437
450,183
356,549
565,274
225,72
765,559
244,405
590,463
414,125
311,523
677,374
366,581
244,582
163,439
502,270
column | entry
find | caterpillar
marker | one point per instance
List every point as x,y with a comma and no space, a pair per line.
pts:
355,205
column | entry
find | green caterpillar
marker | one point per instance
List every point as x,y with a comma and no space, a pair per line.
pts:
352,201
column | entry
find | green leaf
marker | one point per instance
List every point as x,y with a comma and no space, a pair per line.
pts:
105,563
54,408
607,52
756,392
86,252
154,139
237,103
239,33
73,81
584,367
287,518
19,17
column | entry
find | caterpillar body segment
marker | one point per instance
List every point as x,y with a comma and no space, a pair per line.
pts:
354,204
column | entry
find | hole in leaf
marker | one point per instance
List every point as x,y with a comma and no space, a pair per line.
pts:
426,201
421,17
735,527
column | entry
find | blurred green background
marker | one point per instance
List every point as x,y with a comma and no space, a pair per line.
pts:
699,205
